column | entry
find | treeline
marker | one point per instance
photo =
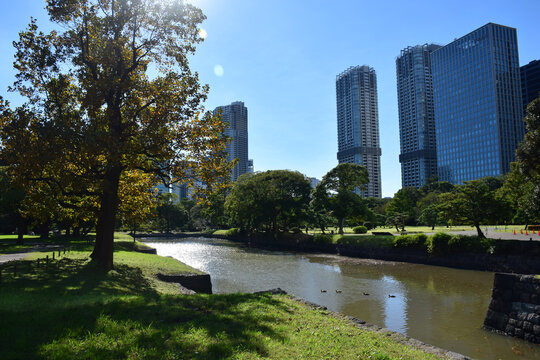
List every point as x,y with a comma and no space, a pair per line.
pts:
283,201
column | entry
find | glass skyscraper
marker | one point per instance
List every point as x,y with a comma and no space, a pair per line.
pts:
236,115
418,152
478,108
358,123
530,82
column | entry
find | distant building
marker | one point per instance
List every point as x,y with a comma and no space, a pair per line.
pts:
418,149
250,167
358,123
236,115
478,106
313,182
530,82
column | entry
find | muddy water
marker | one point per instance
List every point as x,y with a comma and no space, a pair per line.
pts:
440,306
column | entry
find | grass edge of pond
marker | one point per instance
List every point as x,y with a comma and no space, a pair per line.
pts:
128,313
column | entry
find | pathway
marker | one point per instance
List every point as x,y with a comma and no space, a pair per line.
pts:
37,247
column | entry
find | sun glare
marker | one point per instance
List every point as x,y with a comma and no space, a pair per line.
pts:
202,33
218,70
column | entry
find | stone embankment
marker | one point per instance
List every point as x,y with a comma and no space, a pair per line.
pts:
195,282
515,306
511,256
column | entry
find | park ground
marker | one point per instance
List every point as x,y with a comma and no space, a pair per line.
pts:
69,309
505,232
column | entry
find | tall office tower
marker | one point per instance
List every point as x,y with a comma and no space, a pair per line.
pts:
530,82
236,115
478,108
418,148
358,123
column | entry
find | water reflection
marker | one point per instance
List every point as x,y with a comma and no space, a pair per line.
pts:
441,306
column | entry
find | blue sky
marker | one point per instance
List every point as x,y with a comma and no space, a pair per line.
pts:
281,58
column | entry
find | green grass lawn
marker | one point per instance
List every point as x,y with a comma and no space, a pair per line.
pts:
8,243
72,310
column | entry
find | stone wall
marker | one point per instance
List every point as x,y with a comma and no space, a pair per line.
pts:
515,306
198,283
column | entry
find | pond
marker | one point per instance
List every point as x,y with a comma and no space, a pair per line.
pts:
437,305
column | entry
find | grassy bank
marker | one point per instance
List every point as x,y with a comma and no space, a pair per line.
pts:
72,310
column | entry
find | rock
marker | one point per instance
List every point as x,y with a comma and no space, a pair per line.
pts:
533,318
276,291
199,283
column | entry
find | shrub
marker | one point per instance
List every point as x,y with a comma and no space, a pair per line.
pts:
323,239
416,241
369,225
360,229
296,230
471,244
233,232
437,244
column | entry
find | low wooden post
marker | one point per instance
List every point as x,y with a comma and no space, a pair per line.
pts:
38,262
53,255
47,260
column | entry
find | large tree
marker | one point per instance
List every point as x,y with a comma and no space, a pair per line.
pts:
473,203
338,189
528,155
277,199
401,210
528,151
110,92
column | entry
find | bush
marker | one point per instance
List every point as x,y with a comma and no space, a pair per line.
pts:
233,232
323,239
437,244
471,244
369,225
416,241
360,229
296,230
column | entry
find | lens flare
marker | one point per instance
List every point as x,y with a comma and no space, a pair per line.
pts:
218,70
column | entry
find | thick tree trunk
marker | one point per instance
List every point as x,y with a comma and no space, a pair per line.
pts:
480,233
21,230
104,247
341,221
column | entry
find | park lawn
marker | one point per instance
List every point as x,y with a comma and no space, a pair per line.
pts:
8,243
72,310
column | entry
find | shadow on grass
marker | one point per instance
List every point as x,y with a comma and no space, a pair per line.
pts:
75,311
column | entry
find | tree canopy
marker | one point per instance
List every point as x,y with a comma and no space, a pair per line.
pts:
336,191
474,203
110,92
275,199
